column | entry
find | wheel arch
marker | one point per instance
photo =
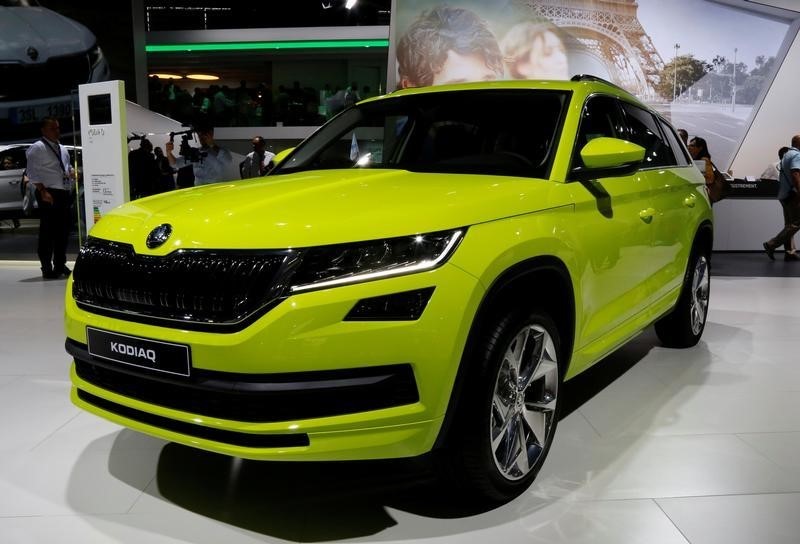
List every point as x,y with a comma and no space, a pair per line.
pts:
704,237
524,280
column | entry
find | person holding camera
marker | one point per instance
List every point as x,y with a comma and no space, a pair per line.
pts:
143,170
210,164
53,177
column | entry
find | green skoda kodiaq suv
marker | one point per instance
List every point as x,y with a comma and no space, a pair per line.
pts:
420,275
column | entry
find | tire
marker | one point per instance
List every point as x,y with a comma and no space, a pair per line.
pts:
510,398
684,325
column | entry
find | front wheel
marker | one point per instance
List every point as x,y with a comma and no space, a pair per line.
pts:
683,327
509,412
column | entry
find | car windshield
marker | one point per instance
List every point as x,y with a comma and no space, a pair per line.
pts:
501,132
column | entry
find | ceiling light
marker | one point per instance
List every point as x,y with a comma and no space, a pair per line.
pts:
166,76
350,4
202,77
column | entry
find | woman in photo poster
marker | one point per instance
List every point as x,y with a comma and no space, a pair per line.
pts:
535,50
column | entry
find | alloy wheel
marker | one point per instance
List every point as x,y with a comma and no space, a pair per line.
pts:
524,402
700,289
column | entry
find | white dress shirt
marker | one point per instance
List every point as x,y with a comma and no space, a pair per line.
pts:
43,165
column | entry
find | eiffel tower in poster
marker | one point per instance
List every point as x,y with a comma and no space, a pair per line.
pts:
610,32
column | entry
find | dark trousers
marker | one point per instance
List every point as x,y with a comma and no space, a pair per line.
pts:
54,224
790,220
791,216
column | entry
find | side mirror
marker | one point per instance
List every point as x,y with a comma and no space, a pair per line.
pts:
281,155
604,157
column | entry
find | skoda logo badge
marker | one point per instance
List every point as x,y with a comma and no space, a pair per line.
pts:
33,53
159,235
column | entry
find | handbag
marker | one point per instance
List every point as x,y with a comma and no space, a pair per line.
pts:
718,188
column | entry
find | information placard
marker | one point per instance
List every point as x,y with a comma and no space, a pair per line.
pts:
105,157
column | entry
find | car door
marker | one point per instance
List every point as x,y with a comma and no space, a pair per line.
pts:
615,233
668,171
12,164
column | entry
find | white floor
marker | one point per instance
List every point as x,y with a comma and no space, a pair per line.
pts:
697,446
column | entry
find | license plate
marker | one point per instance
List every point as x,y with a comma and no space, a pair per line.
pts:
34,114
140,352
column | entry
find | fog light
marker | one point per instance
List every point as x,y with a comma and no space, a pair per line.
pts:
405,306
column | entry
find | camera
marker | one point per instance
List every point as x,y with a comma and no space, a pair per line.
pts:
191,154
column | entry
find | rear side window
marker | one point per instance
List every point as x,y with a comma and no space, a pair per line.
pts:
682,157
13,159
643,130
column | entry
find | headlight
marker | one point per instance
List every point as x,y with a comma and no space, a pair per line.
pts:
363,261
95,55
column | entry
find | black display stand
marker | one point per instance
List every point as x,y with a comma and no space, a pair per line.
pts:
760,188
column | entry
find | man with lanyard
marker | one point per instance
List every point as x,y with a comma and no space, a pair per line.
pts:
789,196
53,177
256,162
214,164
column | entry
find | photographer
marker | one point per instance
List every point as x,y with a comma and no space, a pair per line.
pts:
210,163
142,170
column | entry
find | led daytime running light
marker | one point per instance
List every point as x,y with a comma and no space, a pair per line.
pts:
357,278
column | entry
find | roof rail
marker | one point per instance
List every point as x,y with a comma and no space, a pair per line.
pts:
590,77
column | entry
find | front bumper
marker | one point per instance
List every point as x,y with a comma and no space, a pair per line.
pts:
361,389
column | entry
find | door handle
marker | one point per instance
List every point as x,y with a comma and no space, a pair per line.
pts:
646,215
690,201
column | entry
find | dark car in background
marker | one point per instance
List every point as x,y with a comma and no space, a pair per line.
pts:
44,56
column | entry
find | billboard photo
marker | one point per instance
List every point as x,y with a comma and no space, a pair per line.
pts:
702,64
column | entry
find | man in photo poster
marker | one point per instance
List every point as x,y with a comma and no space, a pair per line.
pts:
448,45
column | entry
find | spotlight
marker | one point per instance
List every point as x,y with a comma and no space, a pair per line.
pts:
203,77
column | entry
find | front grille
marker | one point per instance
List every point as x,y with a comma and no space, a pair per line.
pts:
255,397
190,289
56,77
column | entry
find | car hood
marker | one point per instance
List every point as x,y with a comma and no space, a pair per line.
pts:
50,33
320,208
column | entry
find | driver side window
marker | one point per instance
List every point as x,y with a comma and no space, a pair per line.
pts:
601,118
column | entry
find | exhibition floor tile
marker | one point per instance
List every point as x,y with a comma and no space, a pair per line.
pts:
656,446
31,409
662,466
744,519
720,402
57,483
780,448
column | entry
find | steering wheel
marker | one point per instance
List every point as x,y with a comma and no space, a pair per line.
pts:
518,158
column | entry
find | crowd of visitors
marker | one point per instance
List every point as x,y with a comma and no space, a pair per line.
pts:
222,106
